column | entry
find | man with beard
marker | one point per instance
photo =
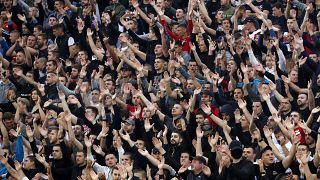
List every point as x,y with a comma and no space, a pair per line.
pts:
174,152
74,76
42,40
305,104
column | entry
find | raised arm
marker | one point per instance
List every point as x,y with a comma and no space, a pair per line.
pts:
136,51
4,132
311,99
71,6
266,97
28,56
199,134
143,15
215,119
255,9
286,162
146,154
268,135
93,46
5,63
72,137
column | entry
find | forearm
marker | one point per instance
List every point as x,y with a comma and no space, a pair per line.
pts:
272,109
278,96
288,160
311,99
284,130
199,151
252,58
11,50
142,14
282,59
275,149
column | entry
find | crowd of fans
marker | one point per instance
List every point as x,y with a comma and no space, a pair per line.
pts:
159,89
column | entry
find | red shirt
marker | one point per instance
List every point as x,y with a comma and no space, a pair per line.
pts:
300,133
185,41
214,111
131,109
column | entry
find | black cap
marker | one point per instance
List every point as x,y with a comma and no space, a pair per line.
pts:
235,145
249,19
265,149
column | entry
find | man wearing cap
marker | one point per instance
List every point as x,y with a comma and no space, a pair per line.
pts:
239,168
206,99
250,24
199,169
268,168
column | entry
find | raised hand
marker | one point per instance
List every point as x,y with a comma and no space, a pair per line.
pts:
272,86
242,104
206,109
80,24
9,15
3,159
237,115
43,131
276,118
22,17
41,158
315,110
143,152
29,131
267,132
97,149
147,125
47,103
89,32
197,91
157,143
61,95
87,142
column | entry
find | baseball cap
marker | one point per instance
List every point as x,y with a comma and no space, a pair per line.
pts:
249,19
235,145
131,121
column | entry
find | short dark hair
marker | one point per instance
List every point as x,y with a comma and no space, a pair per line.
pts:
94,109
44,36
56,26
53,62
39,27
277,5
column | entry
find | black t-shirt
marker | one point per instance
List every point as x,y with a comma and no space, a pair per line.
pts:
295,167
263,5
43,53
272,171
281,21
304,113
